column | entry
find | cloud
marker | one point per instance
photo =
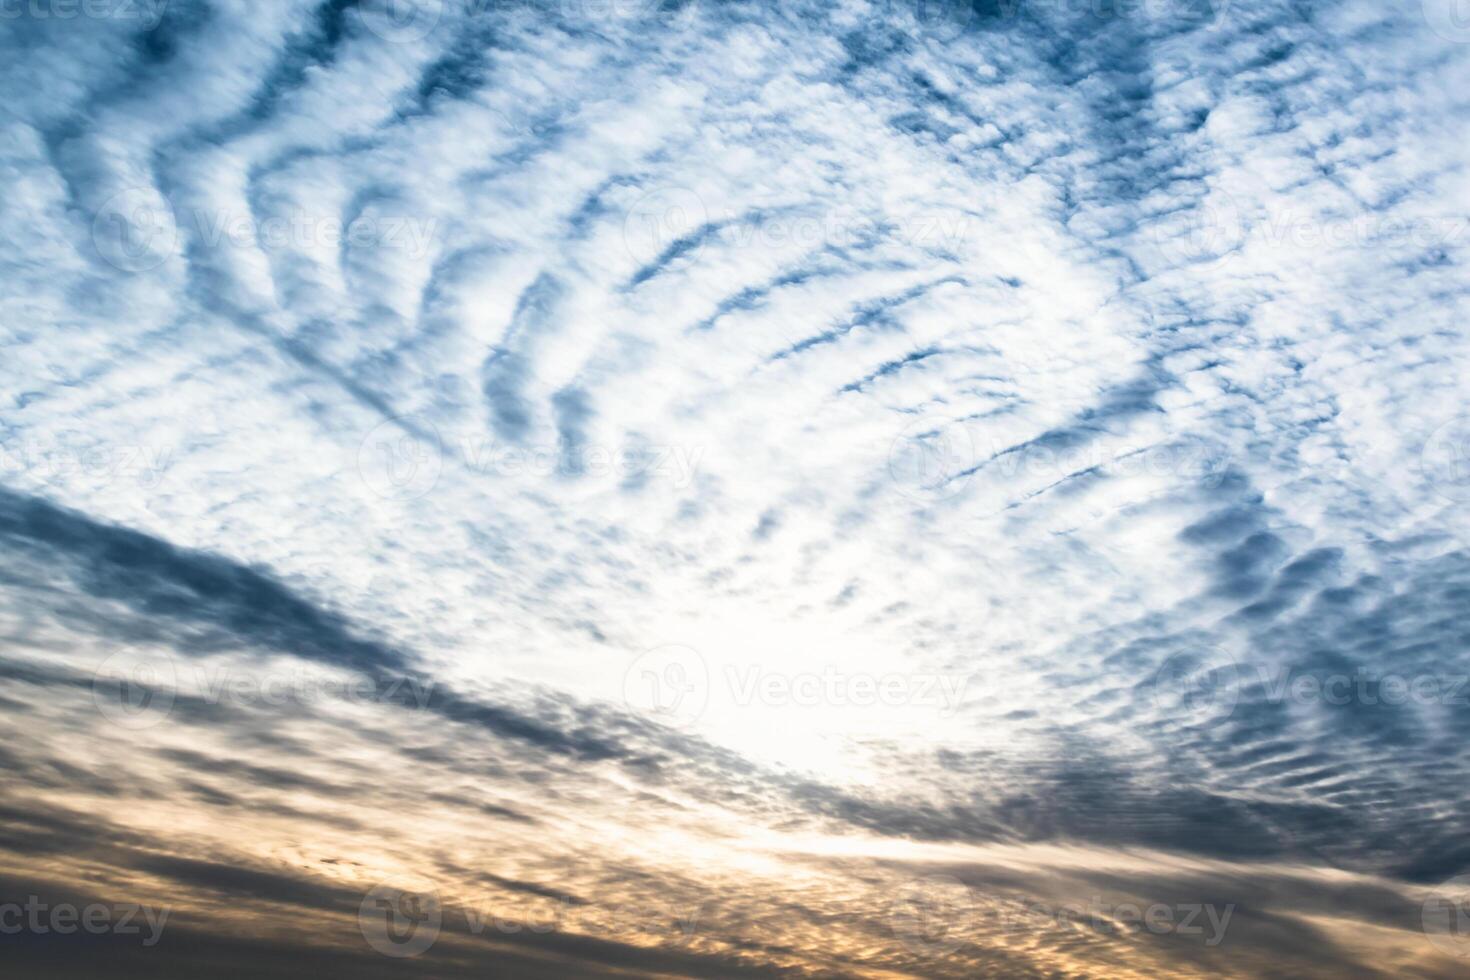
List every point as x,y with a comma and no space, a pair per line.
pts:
385,384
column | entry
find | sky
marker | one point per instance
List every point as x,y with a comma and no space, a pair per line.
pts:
703,488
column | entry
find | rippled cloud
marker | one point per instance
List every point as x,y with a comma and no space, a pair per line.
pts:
665,487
